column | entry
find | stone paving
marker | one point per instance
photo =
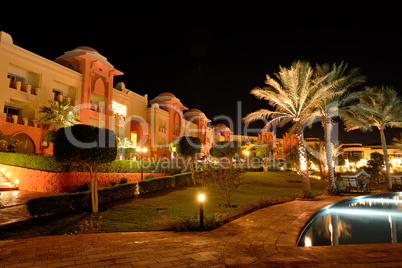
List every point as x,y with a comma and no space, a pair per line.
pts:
12,205
265,238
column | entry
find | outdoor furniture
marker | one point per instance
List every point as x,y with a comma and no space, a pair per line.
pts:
350,184
396,182
359,181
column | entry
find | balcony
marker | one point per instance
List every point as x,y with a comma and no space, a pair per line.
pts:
61,98
18,85
15,119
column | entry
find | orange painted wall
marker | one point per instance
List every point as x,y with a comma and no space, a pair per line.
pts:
36,134
54,182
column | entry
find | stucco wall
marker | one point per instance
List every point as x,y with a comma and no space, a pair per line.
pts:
54,182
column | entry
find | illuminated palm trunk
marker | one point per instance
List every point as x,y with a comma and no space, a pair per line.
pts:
303,162
386,158
328,152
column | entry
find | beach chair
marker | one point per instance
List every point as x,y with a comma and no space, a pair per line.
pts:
396,182
350,184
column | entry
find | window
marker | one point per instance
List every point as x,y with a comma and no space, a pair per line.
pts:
11,111
57,93
15,78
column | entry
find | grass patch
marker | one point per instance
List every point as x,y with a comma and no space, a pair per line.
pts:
156,211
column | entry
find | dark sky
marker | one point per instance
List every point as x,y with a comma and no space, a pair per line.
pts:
211,55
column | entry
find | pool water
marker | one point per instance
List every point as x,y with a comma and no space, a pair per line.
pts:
361,220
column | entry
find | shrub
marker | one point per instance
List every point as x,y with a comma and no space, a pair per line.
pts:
183,179
92,226
148,177
83,188
57,204
46,163
225,181
185,223
123,180
113,182
156,184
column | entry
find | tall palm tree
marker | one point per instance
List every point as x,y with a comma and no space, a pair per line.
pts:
294,94
378,107
328,108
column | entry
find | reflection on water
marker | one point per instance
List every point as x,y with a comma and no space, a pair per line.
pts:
371,219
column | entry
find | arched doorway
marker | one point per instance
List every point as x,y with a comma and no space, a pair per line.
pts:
27,147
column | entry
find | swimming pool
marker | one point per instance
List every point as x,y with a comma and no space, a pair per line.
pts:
361,220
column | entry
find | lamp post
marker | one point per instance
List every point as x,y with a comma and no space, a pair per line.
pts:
141,150
201,199
246,153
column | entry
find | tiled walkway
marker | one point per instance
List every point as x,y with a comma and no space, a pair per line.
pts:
12,205
265,238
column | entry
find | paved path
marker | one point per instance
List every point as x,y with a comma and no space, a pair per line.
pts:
12,205
264,238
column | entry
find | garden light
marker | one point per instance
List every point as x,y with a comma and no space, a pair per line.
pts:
141,150
201,199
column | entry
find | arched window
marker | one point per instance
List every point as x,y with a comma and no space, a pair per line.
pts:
27,147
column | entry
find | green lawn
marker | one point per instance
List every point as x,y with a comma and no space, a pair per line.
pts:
151,212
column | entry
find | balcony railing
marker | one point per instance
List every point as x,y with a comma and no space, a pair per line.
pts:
15,119
23,87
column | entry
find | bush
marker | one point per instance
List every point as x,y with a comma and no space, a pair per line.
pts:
156,184
123,180
148,177
57,204
83,188
183,179
48,163
185,224
224,181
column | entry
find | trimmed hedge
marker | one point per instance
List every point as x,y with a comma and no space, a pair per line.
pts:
62,203
183,179
45,163
48,163
156,184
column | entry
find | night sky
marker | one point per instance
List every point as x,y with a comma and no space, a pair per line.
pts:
211,55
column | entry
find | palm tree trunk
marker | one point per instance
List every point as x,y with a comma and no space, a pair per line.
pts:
386,158
303,161
328,151
96,191
91,174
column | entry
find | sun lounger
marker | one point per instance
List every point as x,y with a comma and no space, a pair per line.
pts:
354,184
396,182
350,184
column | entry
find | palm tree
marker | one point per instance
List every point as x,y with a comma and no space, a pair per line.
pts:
294,94
397,142
328,108
58,114
378,107
318,151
